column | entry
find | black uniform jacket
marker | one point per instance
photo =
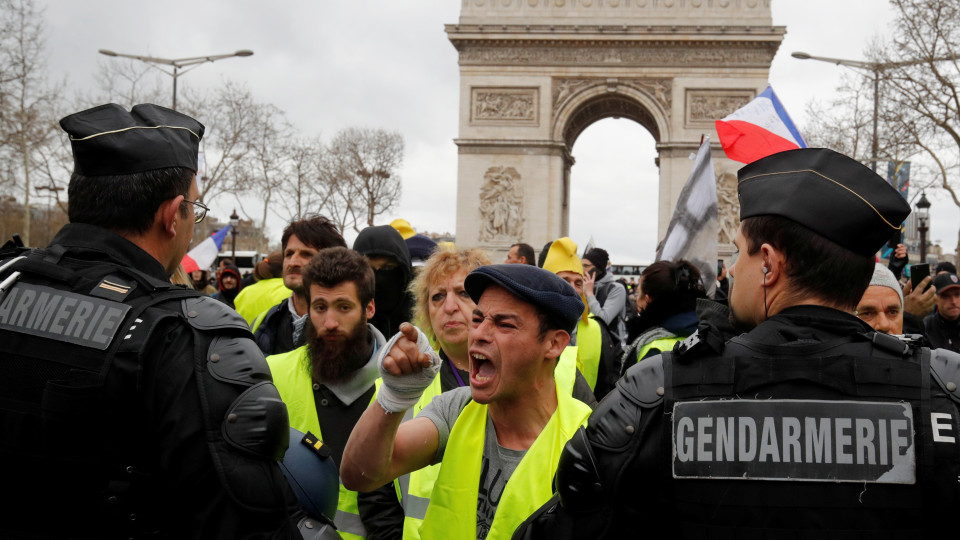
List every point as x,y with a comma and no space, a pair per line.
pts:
136,456
633,466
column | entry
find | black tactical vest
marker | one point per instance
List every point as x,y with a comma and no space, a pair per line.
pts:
849,438
72,461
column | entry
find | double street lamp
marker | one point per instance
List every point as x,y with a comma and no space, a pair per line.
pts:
177,64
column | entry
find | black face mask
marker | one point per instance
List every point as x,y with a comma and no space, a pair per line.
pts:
389,289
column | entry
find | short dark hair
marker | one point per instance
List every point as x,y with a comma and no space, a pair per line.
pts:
547,322
543,254
526,251
129,202
315,231
335,265
815,265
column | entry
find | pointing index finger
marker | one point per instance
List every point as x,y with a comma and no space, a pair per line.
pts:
409,331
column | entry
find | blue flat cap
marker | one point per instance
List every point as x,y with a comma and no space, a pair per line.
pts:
420,246
540,287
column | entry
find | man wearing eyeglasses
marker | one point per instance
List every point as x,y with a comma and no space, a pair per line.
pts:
146,405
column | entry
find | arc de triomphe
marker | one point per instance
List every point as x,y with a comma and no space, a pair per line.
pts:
535,73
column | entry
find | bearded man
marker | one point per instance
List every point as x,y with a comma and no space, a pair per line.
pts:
328,382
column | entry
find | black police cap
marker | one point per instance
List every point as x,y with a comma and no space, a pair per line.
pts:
540,287
831,194
107,140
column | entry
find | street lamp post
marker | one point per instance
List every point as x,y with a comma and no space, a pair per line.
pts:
177,64
876,68
234,222
923,224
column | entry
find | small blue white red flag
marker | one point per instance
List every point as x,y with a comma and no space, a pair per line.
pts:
202,256
758,129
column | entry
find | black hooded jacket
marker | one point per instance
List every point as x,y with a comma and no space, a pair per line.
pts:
394,304
227,296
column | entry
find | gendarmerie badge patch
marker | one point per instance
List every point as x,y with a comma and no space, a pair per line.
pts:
61,315
827,441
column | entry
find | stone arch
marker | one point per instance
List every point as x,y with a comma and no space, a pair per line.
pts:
599,100
535,73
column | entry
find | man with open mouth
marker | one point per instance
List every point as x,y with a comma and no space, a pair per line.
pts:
498,442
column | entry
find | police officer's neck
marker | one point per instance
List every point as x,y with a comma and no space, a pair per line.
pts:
156,245
800,300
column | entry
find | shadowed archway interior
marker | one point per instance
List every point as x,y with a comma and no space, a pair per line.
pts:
608,106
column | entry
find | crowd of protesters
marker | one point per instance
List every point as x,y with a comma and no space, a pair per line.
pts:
407,389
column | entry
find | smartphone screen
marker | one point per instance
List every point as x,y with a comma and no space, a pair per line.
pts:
719,266
918,272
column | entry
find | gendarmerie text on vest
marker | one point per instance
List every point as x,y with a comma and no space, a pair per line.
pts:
61,315
795,440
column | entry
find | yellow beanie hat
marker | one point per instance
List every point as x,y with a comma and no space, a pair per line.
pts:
562,257
403,227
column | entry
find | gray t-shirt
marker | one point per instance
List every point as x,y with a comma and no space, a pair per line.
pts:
498,462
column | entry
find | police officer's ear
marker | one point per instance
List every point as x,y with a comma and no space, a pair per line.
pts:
169,215
773,264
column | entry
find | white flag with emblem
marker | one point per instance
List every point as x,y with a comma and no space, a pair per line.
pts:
692,234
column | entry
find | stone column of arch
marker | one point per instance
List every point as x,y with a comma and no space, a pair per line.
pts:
535,73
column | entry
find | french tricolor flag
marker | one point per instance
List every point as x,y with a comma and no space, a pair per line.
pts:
202,256
758,129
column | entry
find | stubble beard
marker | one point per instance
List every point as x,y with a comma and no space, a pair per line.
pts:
739,323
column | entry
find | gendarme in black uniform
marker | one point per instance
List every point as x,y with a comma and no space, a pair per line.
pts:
131,408
809,426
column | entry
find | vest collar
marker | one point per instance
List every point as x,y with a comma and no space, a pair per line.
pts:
97,243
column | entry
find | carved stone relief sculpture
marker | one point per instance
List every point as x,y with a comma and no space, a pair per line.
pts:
512,105
659,89
705,106
728,207
719,54
501,205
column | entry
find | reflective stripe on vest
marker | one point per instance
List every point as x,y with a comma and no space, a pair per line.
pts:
415,488
453,504
662,344
589,346
296,390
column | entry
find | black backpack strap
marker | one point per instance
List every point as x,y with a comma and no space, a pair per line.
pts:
600,293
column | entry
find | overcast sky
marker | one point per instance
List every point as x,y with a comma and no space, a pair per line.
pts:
387,63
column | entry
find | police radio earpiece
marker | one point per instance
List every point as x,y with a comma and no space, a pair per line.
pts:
766,312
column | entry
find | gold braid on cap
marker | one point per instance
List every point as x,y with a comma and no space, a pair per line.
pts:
821,175
72,138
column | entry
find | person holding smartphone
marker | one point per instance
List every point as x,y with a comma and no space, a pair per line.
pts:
606,298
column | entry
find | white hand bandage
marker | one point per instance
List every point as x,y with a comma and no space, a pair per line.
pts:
400,392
